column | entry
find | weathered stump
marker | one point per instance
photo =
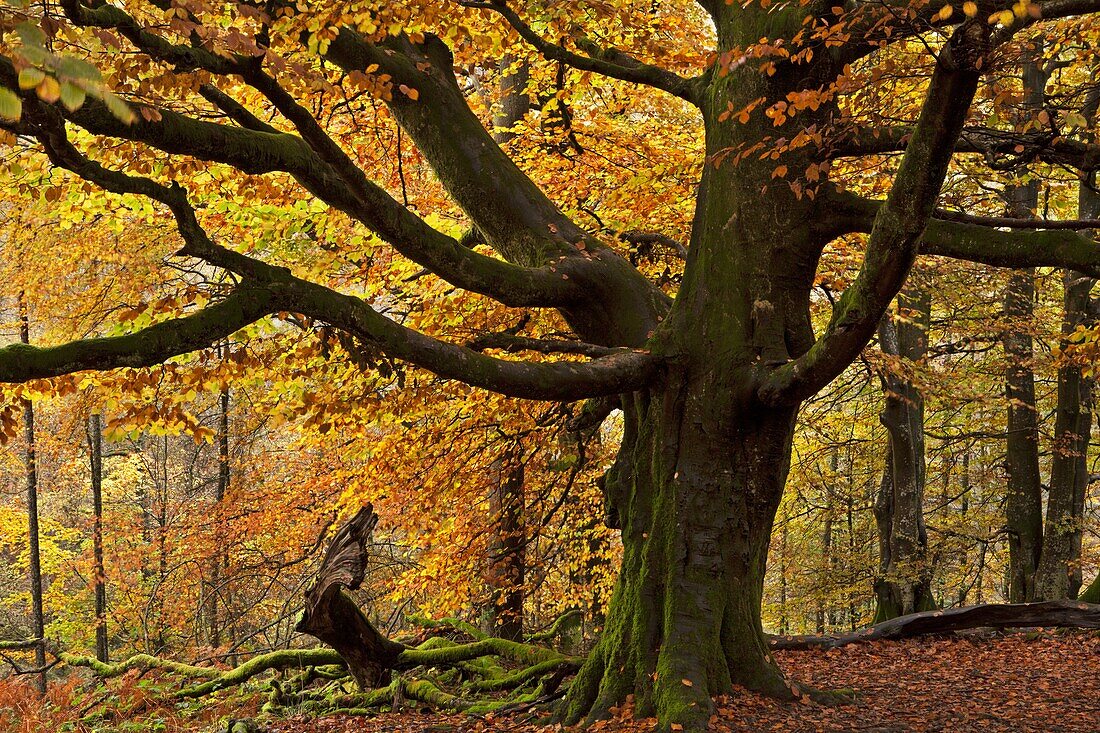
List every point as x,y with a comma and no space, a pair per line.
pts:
332,616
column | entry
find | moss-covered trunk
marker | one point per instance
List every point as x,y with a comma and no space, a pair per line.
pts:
696,513
698,480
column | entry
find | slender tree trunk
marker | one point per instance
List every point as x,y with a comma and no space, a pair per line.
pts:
964,559
825,578
853,618
507,547
95,454
220,560
30,467
904,586
784,619
506,563
1024,498
1059,573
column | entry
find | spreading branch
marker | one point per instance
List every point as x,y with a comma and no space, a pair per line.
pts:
263,151
1003,149
144,348
976,242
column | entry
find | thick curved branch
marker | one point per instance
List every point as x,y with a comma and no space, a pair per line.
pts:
621,371
966,240
183,58
147,347
898,225
513,214
608,61
551,261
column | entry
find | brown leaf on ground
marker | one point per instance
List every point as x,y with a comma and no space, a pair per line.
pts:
992,684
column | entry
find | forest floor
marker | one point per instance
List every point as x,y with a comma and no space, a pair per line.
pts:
988,683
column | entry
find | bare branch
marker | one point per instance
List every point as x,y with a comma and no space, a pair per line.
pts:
1003,149
609,61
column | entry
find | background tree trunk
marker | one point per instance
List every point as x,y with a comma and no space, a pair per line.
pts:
30,467
1024,491
1024,497
95,454
220,560
904,585
508,543
1059,572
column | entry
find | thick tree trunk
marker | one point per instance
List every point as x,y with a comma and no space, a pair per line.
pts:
703,464
1059,572
95,454
904,584
1089,206
696,515
30,468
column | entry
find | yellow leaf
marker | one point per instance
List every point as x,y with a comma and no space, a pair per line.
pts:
687,682
49,90
970,8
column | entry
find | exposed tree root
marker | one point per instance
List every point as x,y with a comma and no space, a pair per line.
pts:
1072,614
138,661
561,624
283,659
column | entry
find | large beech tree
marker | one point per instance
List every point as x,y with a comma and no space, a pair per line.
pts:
709,370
